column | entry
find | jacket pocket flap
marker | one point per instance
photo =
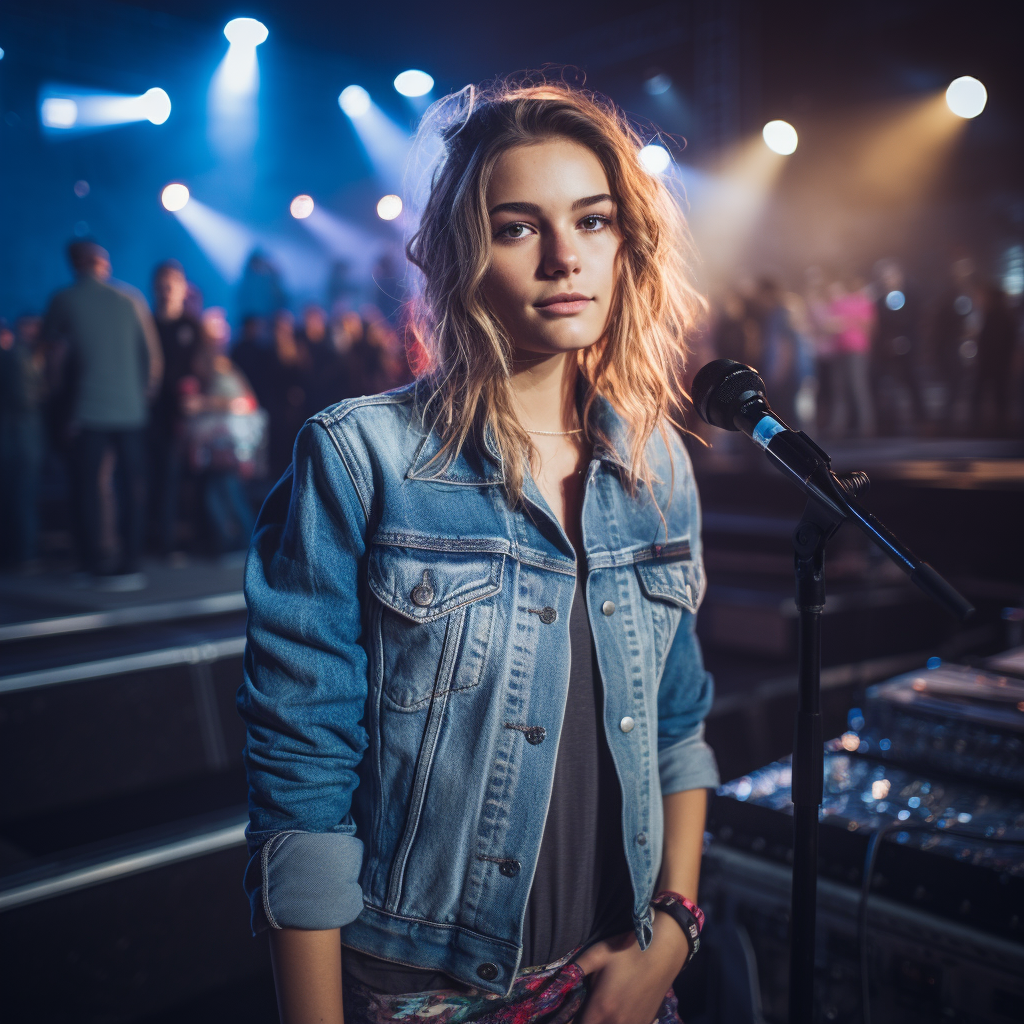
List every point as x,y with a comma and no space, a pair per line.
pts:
668,572
423,585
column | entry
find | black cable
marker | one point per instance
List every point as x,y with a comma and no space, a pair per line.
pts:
870,859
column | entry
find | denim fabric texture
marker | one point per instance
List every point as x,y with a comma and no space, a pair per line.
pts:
406,675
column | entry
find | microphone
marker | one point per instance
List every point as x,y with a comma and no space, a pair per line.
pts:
731,395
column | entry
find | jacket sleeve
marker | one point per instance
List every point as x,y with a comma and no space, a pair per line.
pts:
685,761
304,692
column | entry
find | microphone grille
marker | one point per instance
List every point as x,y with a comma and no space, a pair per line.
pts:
717,388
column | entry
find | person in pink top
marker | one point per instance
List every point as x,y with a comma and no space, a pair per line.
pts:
852,316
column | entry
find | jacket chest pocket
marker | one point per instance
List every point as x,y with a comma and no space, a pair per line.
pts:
436,619
669,572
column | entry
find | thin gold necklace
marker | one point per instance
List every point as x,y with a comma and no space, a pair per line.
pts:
556,433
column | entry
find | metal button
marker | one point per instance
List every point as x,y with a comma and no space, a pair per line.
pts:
487,971
626,725
641,838
608,608
547,615
509,868
535,734
423,593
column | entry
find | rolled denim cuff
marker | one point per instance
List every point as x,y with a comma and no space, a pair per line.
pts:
309,880
688,763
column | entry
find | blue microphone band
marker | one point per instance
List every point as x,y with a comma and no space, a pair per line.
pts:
767,427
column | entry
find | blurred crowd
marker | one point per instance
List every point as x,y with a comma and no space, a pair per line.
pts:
135,429
845,356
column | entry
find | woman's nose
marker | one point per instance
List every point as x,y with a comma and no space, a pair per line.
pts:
561,257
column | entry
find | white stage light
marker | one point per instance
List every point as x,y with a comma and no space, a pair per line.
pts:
301,207
655,158
414,83
174,197
246,32
966,97
780,137
389,207
657,84
157,105
58,112
354,100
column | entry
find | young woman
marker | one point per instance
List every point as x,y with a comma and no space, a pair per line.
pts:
473,692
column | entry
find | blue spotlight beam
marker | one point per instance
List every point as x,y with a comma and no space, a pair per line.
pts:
72,108
386,144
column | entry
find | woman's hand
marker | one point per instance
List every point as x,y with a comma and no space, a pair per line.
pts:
627,984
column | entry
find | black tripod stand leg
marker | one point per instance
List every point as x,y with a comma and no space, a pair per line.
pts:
808,768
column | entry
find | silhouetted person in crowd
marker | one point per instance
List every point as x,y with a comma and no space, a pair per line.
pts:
730,332
22,441
261,292
286,391
179,334
113,372
993,395
954,341
853,321
252,356
323,383
218,396
780,355
896,352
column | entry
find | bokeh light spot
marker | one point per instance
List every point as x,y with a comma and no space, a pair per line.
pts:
780,137
301,207
354,100
174,196
414,83
389,207
966,97
655,158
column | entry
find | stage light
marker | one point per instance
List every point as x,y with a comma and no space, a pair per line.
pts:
174,197
157,105
895,300
301,207
245,32
414,83
59,112
354,100
966,97
657,84
655,158
389,207
81,188
780,137
1,53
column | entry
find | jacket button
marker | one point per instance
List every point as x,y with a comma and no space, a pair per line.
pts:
547,615
535,734
626,725
509,868
423,593
487,971
641,838
608,608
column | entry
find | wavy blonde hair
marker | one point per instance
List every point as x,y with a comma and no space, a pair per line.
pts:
636,365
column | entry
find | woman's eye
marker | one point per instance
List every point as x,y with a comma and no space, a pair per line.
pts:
594,222
514,231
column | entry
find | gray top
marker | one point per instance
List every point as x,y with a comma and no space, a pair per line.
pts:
581,889
109,356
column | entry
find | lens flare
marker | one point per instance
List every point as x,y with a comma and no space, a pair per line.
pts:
301,207
414,83
246,32
354,100
58,112
174,197
966,97
655,158
780,137
389,207
157,105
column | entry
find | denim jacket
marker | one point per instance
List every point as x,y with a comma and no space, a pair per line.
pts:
406,674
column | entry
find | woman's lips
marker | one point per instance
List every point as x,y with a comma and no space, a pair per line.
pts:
563,305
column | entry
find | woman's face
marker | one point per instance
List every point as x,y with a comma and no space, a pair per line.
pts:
555,238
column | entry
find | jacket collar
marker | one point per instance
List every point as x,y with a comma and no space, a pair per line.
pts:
480,468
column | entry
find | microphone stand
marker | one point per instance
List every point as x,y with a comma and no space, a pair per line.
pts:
830,504
731,395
